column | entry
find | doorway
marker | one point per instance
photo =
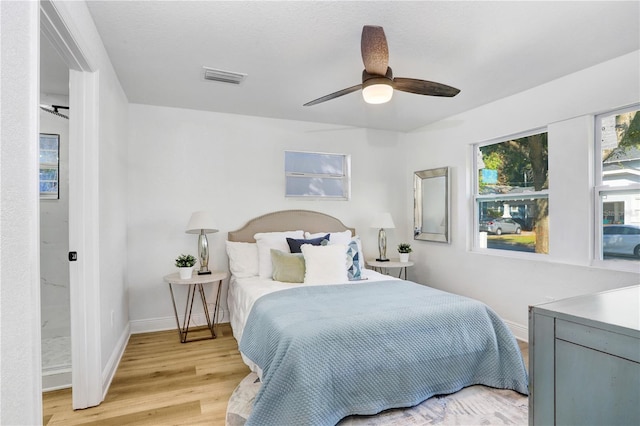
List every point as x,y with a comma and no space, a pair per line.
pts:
84,295
55,309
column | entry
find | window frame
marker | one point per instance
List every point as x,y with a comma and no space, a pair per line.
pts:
345,177
476,198
600,189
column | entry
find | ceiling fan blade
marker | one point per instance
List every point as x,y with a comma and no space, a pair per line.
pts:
375,52
335,95
424,87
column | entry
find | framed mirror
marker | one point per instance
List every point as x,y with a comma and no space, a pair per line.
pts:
431,205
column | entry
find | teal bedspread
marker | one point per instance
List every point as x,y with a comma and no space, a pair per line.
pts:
327,352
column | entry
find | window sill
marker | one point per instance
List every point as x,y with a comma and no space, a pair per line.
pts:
617,265
511,254
611,265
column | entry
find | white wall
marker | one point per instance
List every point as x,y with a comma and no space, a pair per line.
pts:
511,284
183,160
20,383
114,296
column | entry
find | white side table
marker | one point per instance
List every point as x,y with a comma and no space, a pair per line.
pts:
196,282
383,267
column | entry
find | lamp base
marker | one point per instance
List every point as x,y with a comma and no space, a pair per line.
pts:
204,272
382,260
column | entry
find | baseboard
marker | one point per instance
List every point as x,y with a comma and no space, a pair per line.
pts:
114,360
56,379
519,331
169,323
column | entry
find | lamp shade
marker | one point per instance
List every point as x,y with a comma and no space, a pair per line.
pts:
383,220
377,93
201,221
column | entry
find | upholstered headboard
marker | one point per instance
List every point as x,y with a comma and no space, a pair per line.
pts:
288,220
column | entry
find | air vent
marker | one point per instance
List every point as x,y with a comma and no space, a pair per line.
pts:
223,76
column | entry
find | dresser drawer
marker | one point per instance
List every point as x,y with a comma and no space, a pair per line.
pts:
595,388
601,340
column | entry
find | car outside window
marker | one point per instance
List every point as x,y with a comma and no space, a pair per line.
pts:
617,186
500,226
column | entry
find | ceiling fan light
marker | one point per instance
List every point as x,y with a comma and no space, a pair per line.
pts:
377,93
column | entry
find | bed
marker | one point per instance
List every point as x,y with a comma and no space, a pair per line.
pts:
348,340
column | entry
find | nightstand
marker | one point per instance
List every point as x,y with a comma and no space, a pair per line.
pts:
383,267
196,284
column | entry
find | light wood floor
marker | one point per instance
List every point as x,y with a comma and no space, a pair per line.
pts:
161,381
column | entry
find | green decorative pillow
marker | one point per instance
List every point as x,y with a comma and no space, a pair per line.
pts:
287,267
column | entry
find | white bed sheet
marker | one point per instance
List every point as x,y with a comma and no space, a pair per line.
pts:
243,293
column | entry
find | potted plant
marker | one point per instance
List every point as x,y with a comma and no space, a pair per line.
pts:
185,263
404,249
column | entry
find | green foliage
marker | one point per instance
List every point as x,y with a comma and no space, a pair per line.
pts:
628,126
493,160
185,261
519,162
404,248
628,133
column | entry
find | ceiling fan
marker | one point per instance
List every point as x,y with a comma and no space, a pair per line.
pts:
377,78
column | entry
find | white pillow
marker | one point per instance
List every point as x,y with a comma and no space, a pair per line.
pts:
243,259
272,240
325,264
342,238
334,237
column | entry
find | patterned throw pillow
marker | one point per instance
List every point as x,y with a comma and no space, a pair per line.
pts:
354,269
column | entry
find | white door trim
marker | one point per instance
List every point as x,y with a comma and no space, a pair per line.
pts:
83,205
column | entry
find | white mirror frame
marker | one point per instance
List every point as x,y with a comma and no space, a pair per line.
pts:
431,205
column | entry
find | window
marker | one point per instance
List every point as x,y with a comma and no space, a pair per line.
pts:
511,194
618,185
49,148
317,175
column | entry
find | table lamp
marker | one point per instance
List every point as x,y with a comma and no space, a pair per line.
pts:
202,223
382,221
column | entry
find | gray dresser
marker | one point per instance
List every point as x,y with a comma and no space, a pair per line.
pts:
584,360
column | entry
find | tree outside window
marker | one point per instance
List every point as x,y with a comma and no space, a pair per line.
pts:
512,194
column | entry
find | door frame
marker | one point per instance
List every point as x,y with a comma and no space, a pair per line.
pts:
84,274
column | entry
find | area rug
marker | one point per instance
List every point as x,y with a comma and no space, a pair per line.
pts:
475,405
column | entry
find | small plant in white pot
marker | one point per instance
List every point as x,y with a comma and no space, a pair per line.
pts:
185,263
404,249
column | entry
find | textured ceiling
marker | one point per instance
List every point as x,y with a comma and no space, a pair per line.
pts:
294,52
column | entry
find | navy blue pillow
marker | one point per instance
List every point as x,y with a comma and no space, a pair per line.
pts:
294,245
